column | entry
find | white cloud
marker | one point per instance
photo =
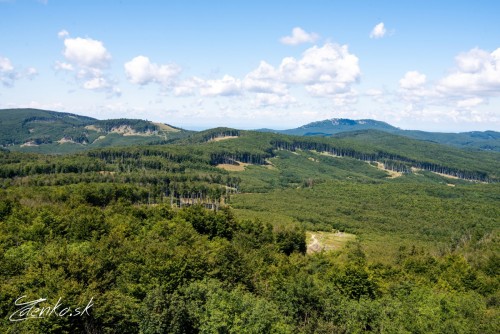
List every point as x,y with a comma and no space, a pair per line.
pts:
345,99
325,71
63,34
415,90
378,31
473,61
377,95
64,66
458,96
412,80
374,92
142,71
470,103
227,86
477,74
88,60
99,83
266,100
86,53
264,79
31,73
188,87
5,65
95,83
9,74
299,36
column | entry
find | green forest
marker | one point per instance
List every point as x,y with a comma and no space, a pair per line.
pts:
210,233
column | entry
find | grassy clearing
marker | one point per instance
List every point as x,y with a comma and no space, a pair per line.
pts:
240,167
327,241
392,174
223,138
166,127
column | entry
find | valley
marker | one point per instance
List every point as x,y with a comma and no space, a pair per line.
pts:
222,228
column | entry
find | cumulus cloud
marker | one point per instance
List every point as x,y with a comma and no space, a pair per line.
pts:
140,70
475,78
470,103
377,95
477,74
265,79
459,95
31,73
62,66
412,80
88,60
86,53
415,90
325,71
188,87
268,99
374,92
227,86
95,83
9,74
328,71
63,34
345,99
299,36
378,31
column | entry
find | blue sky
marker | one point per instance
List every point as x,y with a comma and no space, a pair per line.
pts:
429,65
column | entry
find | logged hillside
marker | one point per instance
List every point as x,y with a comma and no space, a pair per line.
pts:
475,140
396,153
43,131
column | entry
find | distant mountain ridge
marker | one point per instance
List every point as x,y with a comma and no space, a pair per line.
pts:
45,131
477,140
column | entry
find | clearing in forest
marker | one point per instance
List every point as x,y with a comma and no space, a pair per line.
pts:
392,174
327,241
233,168
222,138
166,127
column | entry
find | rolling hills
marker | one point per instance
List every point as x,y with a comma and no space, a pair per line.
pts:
43,131
208,232
477,140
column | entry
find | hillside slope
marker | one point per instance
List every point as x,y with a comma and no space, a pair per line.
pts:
44,131
394,152
129,225
476,140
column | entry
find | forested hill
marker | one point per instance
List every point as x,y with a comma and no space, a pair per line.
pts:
210,234
477,140
43,131
336,125
394,152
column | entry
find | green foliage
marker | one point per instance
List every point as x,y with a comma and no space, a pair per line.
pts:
161,240
487,140
290,239
53,132
386,215
213,224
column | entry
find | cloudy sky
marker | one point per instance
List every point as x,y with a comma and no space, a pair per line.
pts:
429,65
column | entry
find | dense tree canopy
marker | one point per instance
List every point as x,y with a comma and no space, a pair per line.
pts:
160,239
